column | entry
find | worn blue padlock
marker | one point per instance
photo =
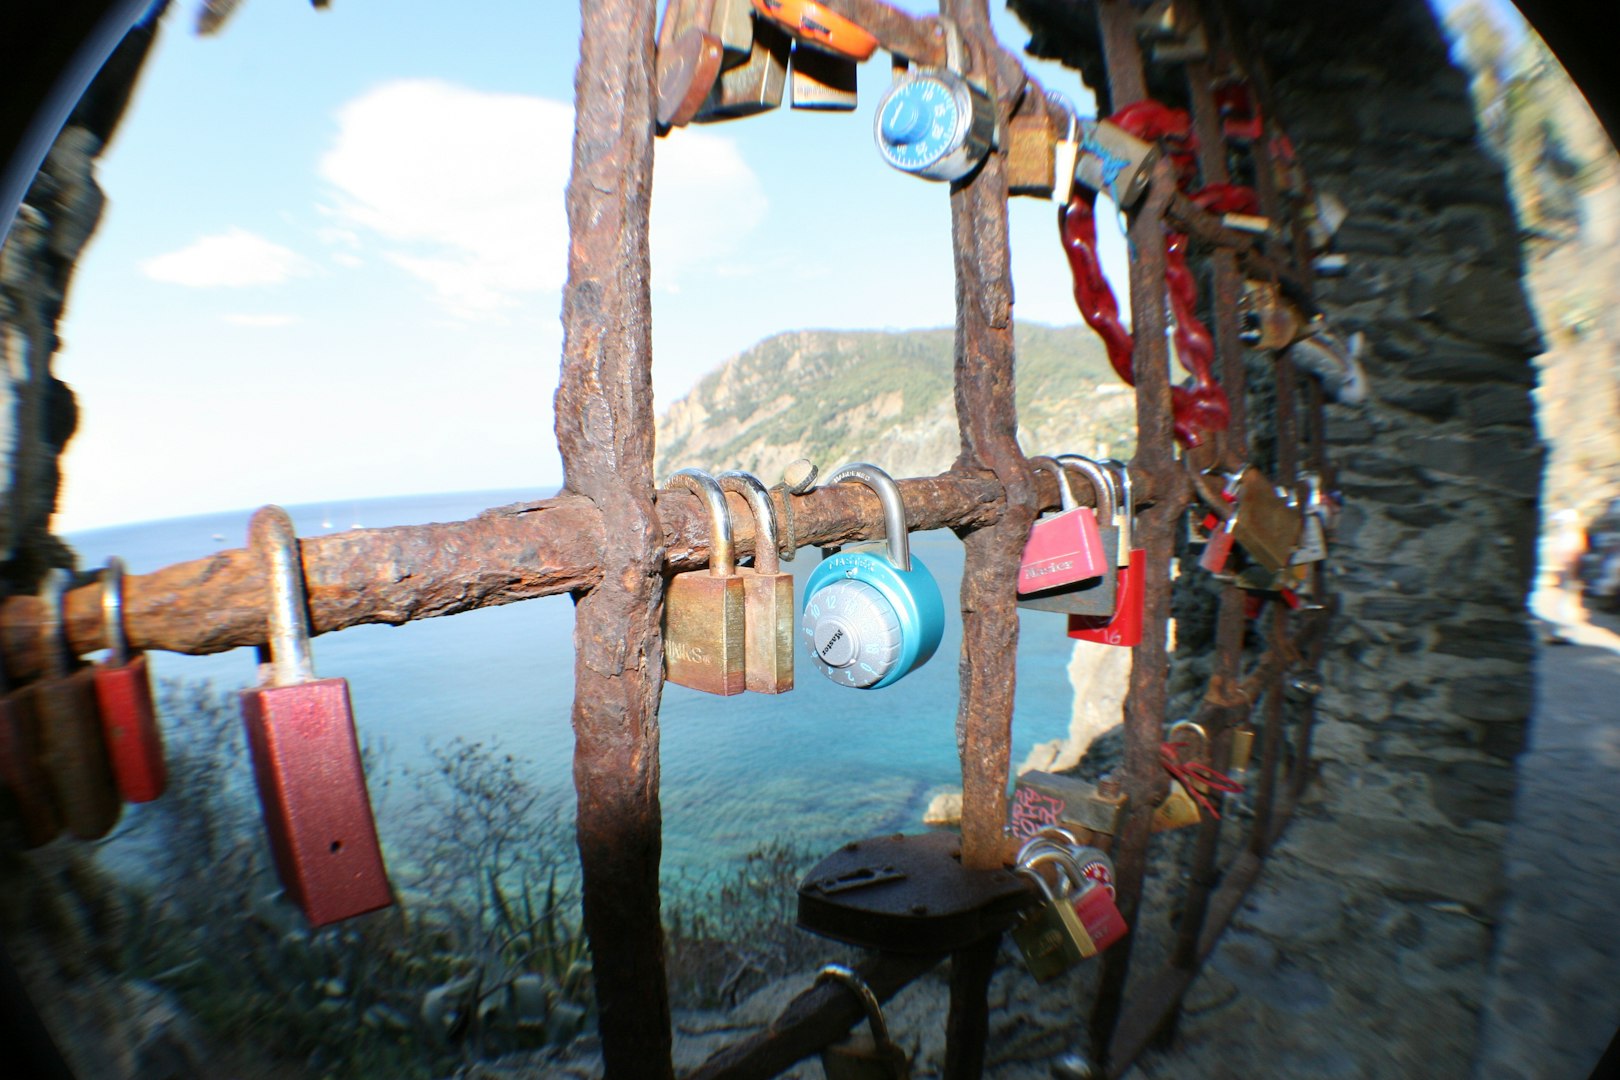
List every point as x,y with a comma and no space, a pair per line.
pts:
869,617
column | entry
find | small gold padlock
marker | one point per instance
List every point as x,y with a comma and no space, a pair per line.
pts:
870,1055
754,86
1031,151
1177,811
769,621
704,620
1267,527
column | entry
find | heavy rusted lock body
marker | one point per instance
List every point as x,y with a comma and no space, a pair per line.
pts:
769,615
865,1055
1267,527
124,694
705,621
306,757
71,752
1042,800
20,771
1091,596
757,84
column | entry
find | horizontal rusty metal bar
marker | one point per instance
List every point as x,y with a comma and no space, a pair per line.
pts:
506,554
1186,216
918,38
822,1014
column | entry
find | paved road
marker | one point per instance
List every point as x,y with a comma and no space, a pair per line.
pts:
1553,1002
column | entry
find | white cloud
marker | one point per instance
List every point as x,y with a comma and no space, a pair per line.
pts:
232,259
465,190
265,320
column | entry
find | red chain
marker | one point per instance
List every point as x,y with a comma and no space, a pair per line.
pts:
1077,223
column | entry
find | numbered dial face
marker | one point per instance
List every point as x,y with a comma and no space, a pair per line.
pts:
935,124
852,631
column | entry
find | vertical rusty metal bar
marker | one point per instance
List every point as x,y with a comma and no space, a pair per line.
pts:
988,419
967,1026
1231,622
605,434
1145,703
1272,741
1315,459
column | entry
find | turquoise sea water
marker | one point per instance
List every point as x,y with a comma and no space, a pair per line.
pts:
822,764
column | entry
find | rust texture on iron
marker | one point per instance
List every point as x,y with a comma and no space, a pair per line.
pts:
822,1014
918,38
967,1024
1145,704
988,420
506,554
605,435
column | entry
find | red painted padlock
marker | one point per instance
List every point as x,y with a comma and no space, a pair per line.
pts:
1124,626
72,753
124,692
1065,547
20,772
306,757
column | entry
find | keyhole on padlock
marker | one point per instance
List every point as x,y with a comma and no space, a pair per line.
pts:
337,845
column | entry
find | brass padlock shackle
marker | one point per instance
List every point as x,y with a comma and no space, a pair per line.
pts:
1101,482
1042,463
58,656
767,544
847,977
705,487
112,611
894,507
271,536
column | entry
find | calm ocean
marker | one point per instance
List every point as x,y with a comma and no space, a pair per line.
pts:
821,764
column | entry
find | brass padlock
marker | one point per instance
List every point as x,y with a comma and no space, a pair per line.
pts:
71,751
754,86
1031,151
1267,527
705,626
769,616
868,1055
1051,937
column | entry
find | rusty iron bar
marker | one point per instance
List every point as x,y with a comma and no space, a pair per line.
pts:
604,423
1231,623
822,1014
918,38
507,554
1142,777
967,1025
988,420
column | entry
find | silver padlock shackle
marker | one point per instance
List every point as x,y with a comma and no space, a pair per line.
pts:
1101,482
112,611
1042,463
707,488
1066,862
51,588
847,977
767,546
272,538
1051,834
894,507
1024,870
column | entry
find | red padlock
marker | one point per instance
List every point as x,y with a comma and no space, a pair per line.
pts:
306,757
1124,626
124,693
1065,547
1100,916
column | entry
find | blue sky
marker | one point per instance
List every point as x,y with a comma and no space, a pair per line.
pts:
331,263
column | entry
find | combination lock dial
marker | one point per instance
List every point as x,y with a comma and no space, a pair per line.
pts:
871,616
935,124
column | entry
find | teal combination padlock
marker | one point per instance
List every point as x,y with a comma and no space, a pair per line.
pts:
869,617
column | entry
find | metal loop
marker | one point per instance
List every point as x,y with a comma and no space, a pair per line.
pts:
1066,862
846,976
272,538
112,611
767,546
1042,463
894,507
51,589
1101,483
707,488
